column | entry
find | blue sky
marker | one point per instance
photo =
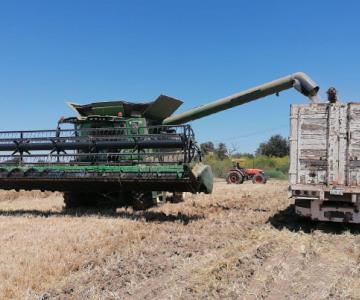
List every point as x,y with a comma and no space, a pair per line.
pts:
197,51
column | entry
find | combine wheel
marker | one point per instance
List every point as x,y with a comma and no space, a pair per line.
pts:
259,179
142,200
111,200
177,197
76,199
234,177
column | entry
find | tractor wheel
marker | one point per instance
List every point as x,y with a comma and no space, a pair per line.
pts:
259,179
142,200
76,200
234,178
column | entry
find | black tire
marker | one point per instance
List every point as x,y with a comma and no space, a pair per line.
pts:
142,200
234,177
259,179
304,203
100,201
76,200
111,200
177,197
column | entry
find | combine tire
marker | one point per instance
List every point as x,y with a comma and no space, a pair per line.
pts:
234,178
76,200
142,200
138,200
259,179
177,197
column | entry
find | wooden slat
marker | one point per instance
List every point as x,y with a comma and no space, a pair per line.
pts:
311,143
293,140
343,145
325,140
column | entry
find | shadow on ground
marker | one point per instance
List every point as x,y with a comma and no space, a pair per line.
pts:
288,219
147,216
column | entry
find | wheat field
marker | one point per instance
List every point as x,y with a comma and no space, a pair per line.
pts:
241,242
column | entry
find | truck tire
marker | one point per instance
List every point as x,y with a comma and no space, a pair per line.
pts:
259,179
234,177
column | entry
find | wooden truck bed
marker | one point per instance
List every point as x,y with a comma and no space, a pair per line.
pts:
325,161
325,145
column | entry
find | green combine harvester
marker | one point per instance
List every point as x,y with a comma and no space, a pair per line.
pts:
120,152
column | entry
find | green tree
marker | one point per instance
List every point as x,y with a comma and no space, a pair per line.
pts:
277,146
241,155
221,151
207,147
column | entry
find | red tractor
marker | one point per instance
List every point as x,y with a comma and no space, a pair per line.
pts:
238,175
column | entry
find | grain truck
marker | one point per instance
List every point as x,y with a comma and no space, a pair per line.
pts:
325,160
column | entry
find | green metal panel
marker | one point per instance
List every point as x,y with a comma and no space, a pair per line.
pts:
163,107
178,169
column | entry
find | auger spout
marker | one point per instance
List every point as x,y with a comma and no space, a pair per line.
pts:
300,81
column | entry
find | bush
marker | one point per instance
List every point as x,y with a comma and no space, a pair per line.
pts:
268,164
274,167
219,167
272,173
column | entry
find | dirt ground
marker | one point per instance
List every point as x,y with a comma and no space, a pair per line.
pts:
241,242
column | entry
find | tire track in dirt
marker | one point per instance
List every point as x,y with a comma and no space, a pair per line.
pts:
303,269
212,266
191,248
242,242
